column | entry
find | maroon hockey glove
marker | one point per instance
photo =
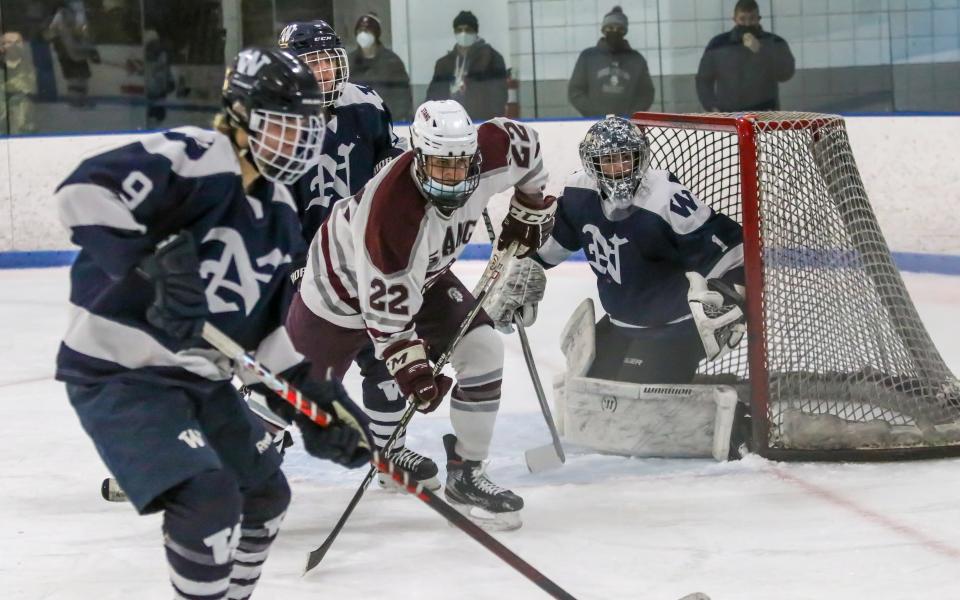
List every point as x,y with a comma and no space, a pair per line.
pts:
407,362
529,221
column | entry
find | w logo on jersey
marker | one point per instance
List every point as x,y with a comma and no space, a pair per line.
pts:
602,255
192,438
236,260
333,177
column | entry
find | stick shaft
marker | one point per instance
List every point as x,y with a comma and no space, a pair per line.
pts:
538,386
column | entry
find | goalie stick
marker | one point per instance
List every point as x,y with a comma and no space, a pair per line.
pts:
490,276
551,455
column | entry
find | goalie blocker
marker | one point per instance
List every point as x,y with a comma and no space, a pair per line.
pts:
641,419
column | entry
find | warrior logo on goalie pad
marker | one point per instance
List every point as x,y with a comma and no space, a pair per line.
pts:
602,255
235,255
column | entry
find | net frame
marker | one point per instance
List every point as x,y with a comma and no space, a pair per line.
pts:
879,403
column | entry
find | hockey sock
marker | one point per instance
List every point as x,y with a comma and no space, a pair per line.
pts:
201,527
478,361
263,511
473,413
382,400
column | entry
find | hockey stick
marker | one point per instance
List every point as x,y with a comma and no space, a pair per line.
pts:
551,455
229,348
472,529
490,276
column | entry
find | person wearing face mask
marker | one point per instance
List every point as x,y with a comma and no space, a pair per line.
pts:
17,81
611,77
741,69
473,73
374,65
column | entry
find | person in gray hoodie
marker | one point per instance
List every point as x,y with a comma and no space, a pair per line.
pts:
611,77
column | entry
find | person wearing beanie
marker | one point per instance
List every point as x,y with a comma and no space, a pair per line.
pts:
611,78
472,73
374,65
742,69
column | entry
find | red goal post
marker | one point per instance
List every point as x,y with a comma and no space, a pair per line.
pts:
837,364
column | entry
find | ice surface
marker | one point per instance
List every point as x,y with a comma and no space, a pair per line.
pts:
601,526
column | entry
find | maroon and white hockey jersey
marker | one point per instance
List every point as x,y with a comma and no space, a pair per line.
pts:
377,252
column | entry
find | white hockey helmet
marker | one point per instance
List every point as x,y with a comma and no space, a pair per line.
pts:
442,128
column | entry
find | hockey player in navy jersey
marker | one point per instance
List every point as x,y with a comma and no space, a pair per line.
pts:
175,229
359,141
359,138
379,269
669,268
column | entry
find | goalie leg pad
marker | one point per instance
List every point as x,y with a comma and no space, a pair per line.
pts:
650,420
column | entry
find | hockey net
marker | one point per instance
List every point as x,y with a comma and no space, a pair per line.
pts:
837,363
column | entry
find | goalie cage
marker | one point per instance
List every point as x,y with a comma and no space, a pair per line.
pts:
837,364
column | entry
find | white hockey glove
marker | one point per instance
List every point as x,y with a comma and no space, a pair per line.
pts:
522,288
718,314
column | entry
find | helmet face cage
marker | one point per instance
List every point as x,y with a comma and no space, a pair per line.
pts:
331,69
284,145
616,155
463,169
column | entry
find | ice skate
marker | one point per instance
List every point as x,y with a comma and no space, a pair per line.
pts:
422,468
471,492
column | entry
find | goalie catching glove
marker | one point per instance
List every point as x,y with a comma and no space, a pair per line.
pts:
346,439
717,309
522,289
529,222
407,362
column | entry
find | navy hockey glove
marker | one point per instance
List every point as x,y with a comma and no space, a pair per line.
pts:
346,440
180,303
529,221
407,362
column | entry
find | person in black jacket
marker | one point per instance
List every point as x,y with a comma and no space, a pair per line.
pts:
473,73
742,68
374,65
611,77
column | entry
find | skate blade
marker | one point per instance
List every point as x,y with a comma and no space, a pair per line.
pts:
543,458
111,492
390,486
507,521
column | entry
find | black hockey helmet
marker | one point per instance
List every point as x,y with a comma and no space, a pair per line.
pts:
318,45
272,96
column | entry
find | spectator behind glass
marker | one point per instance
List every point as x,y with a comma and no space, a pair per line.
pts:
374,65
157,77
741,69
17,82
611,78
70,34
473,73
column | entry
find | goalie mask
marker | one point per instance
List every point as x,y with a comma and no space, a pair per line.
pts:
319,46
616,154
273,97
447,160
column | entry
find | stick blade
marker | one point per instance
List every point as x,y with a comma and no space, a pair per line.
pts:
543,458
315,556
696,596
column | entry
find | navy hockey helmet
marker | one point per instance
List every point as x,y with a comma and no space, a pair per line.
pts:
616,154
318,45
272,96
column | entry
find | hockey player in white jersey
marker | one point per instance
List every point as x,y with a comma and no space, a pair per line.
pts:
669,268
379,268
